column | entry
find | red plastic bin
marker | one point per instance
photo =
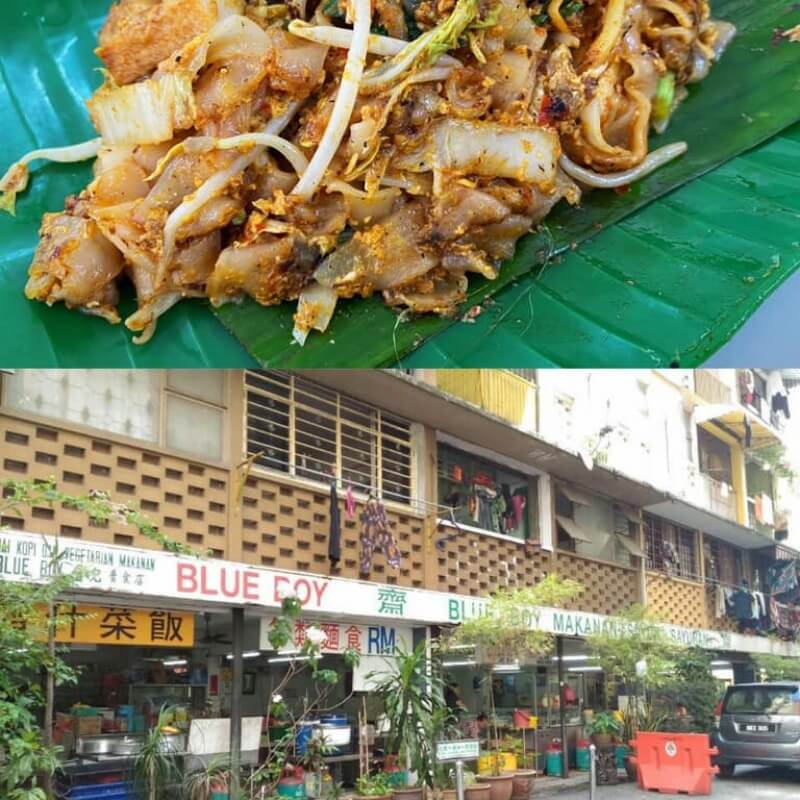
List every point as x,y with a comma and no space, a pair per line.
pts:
674,763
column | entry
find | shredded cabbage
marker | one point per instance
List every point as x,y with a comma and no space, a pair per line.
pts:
144,113
15,180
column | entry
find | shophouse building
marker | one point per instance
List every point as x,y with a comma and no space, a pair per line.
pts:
651,487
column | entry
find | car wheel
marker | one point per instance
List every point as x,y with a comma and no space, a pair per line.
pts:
726,770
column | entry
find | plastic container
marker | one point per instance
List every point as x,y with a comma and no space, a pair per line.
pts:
486,763
582,755
620,751
292,786
118,790
554,759
304,734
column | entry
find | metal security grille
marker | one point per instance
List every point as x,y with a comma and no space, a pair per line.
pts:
303,429
684,543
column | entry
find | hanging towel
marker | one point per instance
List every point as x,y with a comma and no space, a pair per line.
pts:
767,510
719,598
335,534
375,535
759,509
350,503
518,503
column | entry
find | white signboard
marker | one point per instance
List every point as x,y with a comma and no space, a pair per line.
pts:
458,750
129,571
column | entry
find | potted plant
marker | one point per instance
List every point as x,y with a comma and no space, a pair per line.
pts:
627,720
313,761
475,790
416,716
212,782
155,769
377,786
603,728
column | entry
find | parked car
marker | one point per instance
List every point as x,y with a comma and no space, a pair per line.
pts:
759,723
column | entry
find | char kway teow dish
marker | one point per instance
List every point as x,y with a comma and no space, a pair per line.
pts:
309,151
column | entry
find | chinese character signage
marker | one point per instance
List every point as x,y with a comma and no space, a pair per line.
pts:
121,625
366,640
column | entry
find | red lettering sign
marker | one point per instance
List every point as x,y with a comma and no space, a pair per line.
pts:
187,578
250,585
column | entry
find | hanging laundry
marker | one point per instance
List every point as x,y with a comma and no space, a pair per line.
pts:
670,558
743,609
759,509
785,619
518,503
748,433
376,535
747,385
335,533
458,474
777,395
767,509
485,511
719,602
782,577
350,503
760,611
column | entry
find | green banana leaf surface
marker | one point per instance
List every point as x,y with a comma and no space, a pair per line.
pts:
48,69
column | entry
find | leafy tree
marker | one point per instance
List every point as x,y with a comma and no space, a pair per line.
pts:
504,630
633,648
28,623
693,688
777,668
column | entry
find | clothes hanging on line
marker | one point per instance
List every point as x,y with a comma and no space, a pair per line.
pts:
350,503
719,601
376,535
782,577
335,532
747,384
767,509
786,619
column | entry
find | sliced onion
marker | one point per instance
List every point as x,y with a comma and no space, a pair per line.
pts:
343,106
652,162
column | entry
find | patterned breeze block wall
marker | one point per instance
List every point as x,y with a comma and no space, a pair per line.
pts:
475,564
187,500
286,525
608,588
680,602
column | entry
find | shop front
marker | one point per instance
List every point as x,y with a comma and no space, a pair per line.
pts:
154,628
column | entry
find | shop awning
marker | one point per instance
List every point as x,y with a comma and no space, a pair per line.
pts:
573,495
573,530
630,546
732,418
629,513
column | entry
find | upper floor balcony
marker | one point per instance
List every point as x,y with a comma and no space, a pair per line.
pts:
508,394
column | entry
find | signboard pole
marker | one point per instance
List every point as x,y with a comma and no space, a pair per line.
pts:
459,780
236,698
592,771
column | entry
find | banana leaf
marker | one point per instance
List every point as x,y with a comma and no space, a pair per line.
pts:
47,69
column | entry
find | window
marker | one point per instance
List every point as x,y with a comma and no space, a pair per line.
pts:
125,402
482,494
778,700
715,457
670,548
303,429
595,527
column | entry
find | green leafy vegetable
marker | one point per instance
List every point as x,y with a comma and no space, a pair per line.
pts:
665,96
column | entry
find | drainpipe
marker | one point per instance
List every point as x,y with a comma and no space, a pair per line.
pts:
236,699
562,719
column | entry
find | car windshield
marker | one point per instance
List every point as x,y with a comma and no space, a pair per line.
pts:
782,700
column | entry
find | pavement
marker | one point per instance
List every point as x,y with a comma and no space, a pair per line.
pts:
749,783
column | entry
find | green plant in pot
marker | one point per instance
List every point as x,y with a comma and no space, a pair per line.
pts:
155,770
412,694
473,789
603,729
504,634
211,782
316,771
378,785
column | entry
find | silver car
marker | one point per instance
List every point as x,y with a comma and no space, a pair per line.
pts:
759,723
